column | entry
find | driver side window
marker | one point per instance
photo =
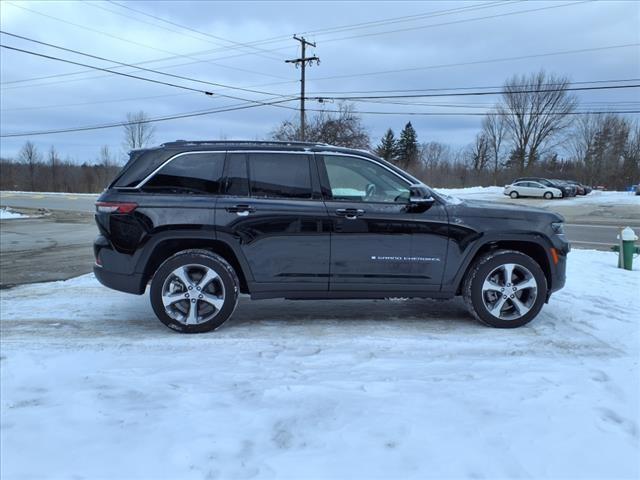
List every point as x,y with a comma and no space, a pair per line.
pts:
358,180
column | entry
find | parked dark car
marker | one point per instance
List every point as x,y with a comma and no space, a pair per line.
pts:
572,189
582,188
203,222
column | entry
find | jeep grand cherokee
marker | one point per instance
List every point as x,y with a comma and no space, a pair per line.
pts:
203,222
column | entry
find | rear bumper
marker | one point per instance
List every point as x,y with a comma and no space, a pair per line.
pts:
129,283
115,270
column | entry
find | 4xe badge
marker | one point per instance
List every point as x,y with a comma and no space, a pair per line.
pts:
402,258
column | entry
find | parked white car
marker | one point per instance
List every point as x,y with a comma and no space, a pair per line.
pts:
531,189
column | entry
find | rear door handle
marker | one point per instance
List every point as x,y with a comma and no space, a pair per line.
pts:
241,210
349,213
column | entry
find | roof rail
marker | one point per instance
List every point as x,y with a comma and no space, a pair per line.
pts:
242,142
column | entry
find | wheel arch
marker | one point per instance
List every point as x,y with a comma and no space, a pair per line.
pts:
166,247
533,248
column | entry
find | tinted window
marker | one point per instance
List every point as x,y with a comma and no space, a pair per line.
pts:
279,175
193,173
356,179
237,182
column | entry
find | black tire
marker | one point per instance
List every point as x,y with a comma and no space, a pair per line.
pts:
473,283
196,258
514,194
548,195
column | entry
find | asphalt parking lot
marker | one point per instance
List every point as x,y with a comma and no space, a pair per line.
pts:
55,243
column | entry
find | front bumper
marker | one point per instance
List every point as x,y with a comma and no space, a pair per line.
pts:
559,269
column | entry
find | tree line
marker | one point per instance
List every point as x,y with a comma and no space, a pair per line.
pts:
36,171
535,128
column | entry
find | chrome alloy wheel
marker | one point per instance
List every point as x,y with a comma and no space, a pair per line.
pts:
509,291
193,294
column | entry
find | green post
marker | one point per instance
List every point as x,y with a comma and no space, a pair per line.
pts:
627,239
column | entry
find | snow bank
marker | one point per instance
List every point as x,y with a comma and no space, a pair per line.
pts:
496,193
94,386
6,214
472,191
22,192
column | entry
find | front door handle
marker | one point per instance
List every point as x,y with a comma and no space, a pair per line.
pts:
349,213
241,210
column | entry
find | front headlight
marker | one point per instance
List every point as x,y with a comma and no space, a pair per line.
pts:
558,228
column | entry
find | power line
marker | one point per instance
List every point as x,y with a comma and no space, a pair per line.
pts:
477,62
408,18
277,39
479,114
245,105
77,52
257,102
29,52
97,102
316,94
259,51
136,64
476,87
454,22
133,42
465,94
228,108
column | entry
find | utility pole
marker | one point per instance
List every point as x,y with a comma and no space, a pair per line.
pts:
303,61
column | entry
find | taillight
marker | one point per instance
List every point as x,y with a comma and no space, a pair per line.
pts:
115,207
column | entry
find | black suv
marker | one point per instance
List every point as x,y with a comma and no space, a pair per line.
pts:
203,222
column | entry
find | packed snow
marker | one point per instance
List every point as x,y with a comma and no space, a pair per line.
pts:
94,386
596,197
6,214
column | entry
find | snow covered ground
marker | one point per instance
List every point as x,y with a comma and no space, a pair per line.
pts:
93,386
6,214
496,194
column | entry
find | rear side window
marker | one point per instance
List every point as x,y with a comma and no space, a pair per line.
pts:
279,175
198,173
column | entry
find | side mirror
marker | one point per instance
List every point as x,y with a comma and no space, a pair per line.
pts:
420,199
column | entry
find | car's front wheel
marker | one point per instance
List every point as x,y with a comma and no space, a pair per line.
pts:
194,291
548,195
514,194
505,289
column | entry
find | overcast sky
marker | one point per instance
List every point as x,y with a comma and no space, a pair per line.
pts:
423,50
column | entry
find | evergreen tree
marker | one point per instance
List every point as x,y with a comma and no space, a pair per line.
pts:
408,147
388,146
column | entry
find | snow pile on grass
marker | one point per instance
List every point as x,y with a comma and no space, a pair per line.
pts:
471,193
94,386
496,193
6,214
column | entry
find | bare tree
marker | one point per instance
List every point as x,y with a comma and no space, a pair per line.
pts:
478,152
343,128
31,157
54,168
536,109
494,128
433,154
106,158
138,132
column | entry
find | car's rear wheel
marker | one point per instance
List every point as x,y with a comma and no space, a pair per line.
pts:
514,194
194,291
548,195
505,289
